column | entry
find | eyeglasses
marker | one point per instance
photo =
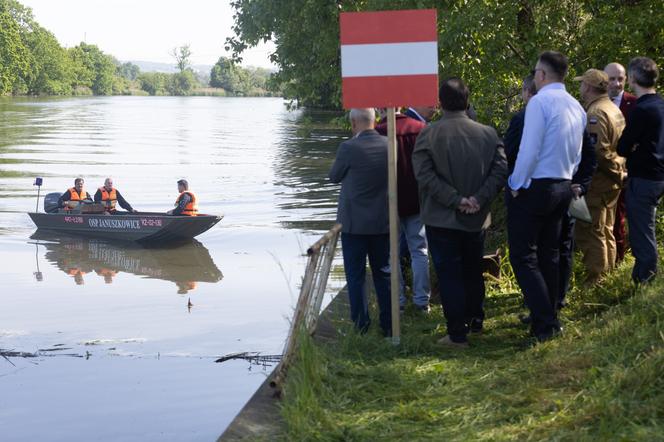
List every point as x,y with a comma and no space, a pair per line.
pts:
535,70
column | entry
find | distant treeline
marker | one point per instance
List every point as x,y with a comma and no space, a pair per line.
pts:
32,62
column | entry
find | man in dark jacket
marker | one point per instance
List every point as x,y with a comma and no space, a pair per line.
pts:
512,137
625,102
642,143
361,168
460,166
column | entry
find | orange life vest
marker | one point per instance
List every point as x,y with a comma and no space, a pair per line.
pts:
75,197
191,209
108,199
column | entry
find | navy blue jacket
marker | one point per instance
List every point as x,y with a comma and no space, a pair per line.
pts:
642,141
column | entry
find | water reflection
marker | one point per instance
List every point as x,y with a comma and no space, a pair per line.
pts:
301,167
186,265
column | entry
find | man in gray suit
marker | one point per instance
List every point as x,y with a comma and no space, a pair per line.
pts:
361,168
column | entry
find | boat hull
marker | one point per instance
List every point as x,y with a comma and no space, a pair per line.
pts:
143,227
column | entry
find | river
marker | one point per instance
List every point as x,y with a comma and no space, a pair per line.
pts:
121,355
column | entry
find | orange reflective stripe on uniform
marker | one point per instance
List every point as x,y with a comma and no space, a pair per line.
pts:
109,199
191,209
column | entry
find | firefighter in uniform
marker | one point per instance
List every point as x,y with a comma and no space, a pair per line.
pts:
186,203
109,196
74,196
605,125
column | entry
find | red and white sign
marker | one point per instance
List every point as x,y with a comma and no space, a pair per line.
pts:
389,58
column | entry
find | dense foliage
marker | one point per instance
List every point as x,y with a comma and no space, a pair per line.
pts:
492,44
237,80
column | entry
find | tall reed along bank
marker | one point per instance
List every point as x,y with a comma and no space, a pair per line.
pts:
603,379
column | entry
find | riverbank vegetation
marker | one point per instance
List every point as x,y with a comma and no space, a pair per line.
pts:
32,62
602,380
490,44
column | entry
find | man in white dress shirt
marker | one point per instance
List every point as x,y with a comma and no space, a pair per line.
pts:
540,190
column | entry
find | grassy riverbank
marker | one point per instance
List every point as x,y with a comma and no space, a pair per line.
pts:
602,380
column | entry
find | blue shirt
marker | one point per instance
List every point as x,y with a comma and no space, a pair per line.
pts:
552,137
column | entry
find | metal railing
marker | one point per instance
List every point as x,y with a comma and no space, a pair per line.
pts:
307,310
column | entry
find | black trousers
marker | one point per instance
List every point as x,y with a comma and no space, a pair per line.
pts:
457,258
642,198
566,256
534,221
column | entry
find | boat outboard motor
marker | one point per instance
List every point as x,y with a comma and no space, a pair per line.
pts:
51,202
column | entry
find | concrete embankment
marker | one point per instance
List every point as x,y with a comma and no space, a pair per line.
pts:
260,418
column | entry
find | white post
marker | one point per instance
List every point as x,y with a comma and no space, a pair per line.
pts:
394,222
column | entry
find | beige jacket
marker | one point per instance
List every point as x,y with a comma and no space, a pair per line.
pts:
605,125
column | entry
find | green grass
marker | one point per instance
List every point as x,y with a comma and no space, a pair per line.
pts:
602,380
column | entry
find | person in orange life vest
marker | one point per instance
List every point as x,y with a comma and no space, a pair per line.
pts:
74,196
187,203
110,196
185,286
77,274
107,274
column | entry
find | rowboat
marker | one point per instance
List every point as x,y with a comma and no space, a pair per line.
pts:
142,227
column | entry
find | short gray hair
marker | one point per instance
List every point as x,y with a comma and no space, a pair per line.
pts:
363,115
643,71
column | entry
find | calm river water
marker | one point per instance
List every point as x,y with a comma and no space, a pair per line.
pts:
121,356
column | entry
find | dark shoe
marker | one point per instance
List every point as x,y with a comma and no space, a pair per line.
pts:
446,341
423,309
476,325
547,336
525,319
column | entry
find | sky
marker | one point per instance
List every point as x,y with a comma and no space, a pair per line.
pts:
146,30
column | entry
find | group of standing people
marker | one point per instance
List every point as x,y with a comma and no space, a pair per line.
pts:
610,151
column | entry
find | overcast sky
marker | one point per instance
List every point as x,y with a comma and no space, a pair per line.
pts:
145,30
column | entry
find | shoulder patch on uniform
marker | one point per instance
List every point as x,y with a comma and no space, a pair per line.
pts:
593,138
592,120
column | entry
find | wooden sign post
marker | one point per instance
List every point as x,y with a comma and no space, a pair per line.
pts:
390,59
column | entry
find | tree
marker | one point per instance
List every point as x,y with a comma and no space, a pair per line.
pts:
93,68
491,44
13,53
154,83
128,70
50,68
181,56
227,75
182,83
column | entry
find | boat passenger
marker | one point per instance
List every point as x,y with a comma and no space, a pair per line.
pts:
187,203
107,274
109,196
74,196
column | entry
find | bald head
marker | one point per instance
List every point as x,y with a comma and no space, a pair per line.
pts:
617,77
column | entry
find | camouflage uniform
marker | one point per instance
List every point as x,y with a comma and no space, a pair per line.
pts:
596,239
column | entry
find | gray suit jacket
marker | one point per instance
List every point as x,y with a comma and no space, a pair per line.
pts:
453,158
361,168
